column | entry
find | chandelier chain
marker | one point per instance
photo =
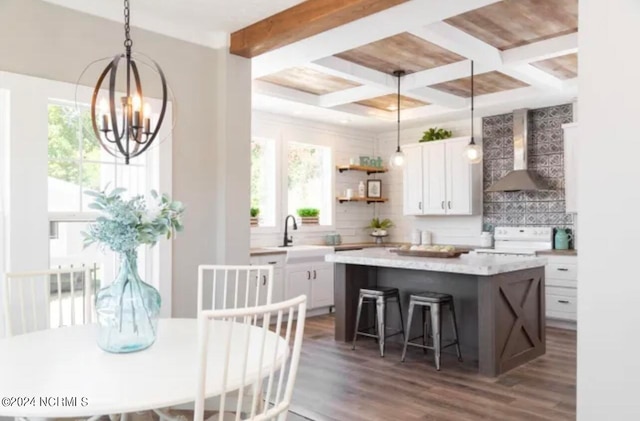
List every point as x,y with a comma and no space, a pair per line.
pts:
127,28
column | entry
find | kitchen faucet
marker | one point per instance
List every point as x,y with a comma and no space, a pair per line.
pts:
288,240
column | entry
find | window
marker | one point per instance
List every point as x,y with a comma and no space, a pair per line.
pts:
263,180
77,163
309,179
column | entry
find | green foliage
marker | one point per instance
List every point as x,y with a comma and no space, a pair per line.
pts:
308,212
435,133
69,132
255,212
256,173
126,224
376,223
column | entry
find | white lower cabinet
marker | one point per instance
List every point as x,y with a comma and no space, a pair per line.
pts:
315,280
561,277
277,291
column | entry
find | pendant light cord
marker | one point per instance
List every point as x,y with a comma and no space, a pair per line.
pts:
473,142
399,77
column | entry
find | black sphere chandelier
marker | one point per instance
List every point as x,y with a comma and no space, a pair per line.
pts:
126,131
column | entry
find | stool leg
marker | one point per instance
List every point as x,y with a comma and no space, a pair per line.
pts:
380,308
401,319
355,331
406,337
455,330
425,333
436,326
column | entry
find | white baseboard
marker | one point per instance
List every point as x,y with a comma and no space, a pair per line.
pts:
562,324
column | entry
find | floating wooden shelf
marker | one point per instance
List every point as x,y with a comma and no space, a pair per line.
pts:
367,169
362,199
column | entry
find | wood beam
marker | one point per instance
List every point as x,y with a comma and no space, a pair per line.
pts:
302,21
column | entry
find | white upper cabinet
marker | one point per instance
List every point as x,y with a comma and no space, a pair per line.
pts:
459,179
434,185
570,167
438,179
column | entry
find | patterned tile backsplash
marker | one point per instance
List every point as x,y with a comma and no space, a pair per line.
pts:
546,158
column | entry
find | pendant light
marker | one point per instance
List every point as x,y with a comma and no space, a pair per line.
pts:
473,152
125,129
397,159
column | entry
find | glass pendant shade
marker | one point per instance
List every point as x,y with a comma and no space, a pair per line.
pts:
473,153
397,159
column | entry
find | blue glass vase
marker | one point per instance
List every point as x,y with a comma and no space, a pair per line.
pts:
127,310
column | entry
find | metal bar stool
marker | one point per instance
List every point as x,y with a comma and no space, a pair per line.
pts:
378,296
432,302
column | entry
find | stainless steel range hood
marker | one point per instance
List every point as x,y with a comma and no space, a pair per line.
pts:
520,178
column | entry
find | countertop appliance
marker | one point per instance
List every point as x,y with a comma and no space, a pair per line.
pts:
520,241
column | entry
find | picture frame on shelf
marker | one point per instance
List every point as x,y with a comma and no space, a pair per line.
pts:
374,189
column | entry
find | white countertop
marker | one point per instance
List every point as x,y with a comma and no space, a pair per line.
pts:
468,264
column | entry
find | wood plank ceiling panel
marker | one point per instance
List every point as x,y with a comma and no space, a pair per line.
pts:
486,83
400,52
563,67
302,21
390,102
512,23
310,81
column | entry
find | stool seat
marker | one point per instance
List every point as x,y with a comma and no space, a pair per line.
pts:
379,291
431,297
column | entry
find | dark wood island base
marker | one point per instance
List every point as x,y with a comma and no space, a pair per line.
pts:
501,317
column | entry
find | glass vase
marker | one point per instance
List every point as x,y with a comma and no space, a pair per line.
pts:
127,310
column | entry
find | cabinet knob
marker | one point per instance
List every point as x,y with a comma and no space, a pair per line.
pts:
449,204
273,263
308,275
442,204
420,205
314,274
563,301
563,269
264,279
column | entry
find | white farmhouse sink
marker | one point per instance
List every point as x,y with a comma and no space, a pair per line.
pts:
303,253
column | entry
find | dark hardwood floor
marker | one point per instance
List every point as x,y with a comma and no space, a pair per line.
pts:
336,383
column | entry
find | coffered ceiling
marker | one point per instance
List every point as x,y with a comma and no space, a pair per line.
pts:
524,51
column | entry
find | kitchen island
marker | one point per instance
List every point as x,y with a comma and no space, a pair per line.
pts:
499,300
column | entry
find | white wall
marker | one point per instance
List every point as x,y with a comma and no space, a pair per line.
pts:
461,230
609,203
350,218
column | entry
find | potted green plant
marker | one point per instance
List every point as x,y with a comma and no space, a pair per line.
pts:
254,216
379,227
435,133
309,216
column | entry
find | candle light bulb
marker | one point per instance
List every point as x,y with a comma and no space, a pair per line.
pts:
146,111
136,103
103,106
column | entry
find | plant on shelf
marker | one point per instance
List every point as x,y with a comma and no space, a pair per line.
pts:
128,308
254,216
379,227
435,133
309,216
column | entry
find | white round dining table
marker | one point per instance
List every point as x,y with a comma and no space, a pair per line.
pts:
62,372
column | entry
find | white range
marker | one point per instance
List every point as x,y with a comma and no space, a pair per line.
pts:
522,241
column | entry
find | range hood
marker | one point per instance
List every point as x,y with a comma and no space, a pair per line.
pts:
520,179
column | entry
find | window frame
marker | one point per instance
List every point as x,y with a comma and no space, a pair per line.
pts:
278,194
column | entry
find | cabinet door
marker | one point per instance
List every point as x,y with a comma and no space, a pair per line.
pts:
413,180
570,170
298,282
458,180
322,286
433,179
277,293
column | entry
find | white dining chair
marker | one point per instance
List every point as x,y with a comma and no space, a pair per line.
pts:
277,386
29,304
231,287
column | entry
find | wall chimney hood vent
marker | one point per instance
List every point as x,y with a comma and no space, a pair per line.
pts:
520,179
